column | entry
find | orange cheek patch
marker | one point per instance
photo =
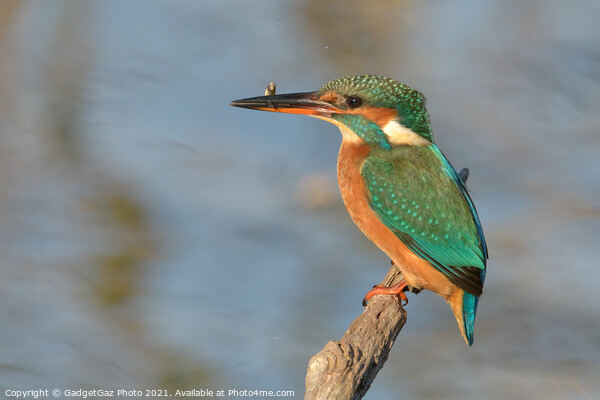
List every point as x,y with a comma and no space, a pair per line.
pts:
380,115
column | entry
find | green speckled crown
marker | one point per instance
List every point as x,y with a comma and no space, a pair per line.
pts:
379,91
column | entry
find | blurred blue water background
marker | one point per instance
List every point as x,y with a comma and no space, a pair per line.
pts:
154,237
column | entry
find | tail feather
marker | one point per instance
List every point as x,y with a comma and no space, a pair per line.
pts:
469,310
464,307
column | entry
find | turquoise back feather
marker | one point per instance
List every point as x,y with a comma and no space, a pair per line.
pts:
470,301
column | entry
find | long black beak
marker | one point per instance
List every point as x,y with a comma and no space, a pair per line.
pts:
293,103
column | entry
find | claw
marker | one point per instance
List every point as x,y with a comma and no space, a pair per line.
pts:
397,290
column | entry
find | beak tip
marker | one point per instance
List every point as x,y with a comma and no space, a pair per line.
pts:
292,103
238,103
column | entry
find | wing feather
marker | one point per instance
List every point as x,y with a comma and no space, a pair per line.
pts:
419,196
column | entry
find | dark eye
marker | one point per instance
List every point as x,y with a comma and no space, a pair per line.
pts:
354,102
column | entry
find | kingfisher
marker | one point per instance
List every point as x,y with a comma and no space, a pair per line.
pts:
399,188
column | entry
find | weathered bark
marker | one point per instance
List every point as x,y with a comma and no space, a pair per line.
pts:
345,369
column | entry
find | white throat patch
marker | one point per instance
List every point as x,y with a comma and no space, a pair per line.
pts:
398,134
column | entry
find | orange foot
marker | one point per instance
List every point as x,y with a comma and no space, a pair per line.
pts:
397,289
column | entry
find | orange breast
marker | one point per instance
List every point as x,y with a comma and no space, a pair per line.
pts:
417,272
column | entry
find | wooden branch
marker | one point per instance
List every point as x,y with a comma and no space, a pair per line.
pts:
345,369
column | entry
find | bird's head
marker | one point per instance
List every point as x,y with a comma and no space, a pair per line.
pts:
373,109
